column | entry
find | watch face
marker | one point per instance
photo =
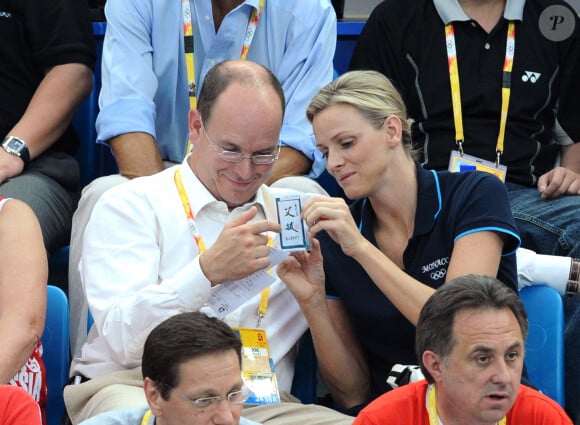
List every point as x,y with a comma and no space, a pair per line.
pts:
15,144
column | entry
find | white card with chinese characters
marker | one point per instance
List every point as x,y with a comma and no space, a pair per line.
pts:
294,233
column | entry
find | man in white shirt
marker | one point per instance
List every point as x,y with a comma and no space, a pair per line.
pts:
159,245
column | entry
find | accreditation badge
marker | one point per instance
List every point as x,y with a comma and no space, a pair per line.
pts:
457,160
257,367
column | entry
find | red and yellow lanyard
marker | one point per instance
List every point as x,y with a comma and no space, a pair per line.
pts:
189,48
432,408
265,295
456,92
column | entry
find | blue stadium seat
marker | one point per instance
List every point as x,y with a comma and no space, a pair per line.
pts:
545,344
55,343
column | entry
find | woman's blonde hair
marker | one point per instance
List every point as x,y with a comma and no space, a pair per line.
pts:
372,94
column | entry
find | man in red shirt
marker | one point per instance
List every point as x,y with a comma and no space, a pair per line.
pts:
470,344
17,407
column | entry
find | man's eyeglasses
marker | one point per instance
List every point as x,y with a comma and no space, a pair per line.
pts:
207,404
232,156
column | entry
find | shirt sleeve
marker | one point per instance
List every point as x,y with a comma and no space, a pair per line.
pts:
376,48
59,32
127,290
17,407
488,211
129,83
306,67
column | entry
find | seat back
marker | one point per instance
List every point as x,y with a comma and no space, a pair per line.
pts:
545,344
55,343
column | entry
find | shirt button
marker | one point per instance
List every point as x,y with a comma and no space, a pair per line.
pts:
473,24
487,46
207,18
212,62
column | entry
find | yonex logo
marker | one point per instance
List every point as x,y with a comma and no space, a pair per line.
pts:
530,76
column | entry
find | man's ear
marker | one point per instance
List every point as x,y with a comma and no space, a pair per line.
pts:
153,396
434,364
194,122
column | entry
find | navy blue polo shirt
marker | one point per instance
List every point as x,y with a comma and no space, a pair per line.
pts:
449,206
406,42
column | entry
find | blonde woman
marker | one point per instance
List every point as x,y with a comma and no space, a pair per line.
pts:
408,232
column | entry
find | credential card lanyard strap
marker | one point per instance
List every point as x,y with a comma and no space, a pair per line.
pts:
265,295
146,417
432,408
189,48
456,92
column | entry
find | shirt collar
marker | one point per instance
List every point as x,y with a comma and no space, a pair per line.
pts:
197,191
428,206
253,3
428,200
451,11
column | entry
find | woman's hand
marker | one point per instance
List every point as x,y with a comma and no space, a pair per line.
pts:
333,216
303,274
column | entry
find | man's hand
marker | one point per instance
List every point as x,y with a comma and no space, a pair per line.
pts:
290,163
10,166
240,250
558,182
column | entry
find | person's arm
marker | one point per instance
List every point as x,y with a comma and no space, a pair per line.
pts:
136,154
475,253
60,47
563,180
131,295
341,363
126,119
291,162
303,70
340,359
49,113
23,277
571,157
141,264
407,294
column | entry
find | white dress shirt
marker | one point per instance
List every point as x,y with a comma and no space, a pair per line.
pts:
140,265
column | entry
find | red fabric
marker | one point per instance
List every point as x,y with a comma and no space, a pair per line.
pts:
17,407
406,405
32,378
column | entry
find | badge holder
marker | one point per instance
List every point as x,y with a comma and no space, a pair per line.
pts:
257,367
457,160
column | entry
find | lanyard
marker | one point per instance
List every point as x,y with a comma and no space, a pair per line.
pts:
265,295
456,93
432,408
189,48
146,417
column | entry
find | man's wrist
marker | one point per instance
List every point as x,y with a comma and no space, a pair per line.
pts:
17,147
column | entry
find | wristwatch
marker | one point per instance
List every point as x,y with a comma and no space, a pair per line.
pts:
16,146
